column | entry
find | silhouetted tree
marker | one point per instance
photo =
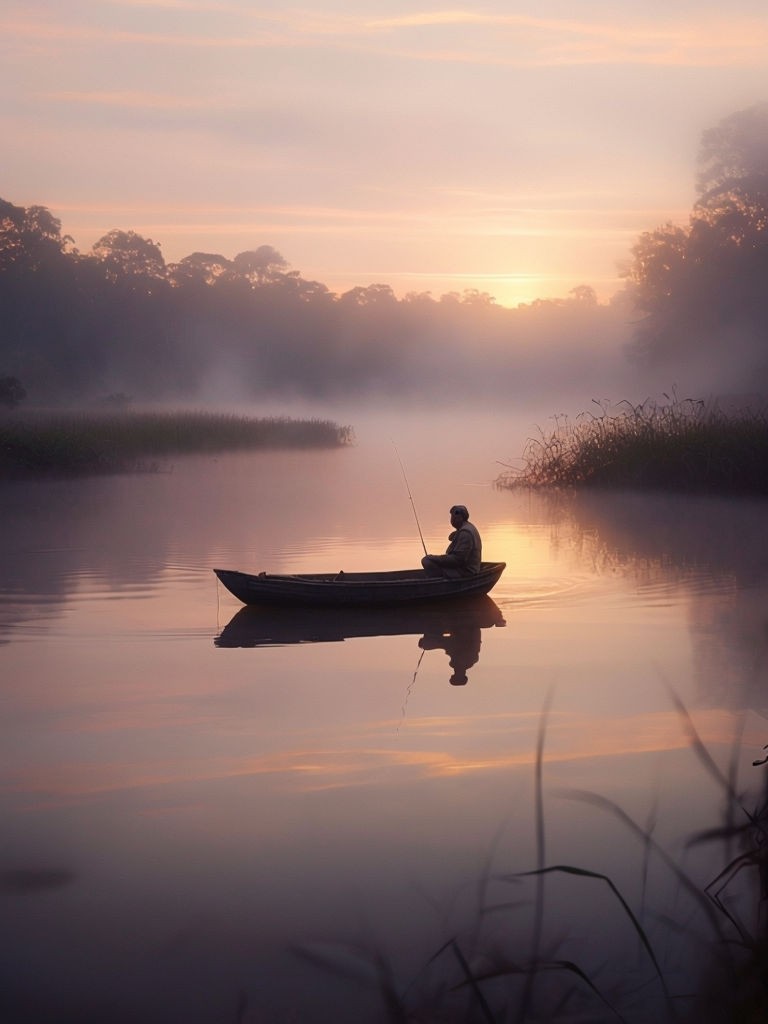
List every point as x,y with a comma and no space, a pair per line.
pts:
29,237
117,320
584,295
380,295
660,266
200,268
704,287
733,177
125,254
260,266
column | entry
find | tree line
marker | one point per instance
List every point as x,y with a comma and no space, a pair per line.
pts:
120,321
701,289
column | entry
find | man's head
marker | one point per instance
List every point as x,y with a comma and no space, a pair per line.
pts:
459,515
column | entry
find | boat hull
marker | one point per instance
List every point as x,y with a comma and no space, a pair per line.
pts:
265,625
356,589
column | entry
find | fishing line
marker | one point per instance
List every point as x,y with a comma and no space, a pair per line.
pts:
408,489
408,691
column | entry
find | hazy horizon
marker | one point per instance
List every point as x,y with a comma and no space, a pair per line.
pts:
515,150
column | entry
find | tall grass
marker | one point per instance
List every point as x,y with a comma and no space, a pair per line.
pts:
82,443
684,445
500,976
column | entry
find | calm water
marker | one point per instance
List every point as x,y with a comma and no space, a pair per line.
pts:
212,816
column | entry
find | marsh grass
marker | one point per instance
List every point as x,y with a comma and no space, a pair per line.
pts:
109,442
504,977
684,445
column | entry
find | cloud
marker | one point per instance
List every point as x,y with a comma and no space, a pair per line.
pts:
530,43
133,100
38,32
450,36
494,744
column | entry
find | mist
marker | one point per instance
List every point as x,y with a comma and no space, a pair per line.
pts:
118,324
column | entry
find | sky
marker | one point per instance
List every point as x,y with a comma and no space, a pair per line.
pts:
518,147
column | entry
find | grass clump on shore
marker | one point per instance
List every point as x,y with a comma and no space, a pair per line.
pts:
686,445
85,443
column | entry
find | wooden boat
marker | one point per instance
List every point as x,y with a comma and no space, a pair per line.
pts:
278,625
358,589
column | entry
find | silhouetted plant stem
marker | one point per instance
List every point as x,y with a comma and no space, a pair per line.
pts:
541,855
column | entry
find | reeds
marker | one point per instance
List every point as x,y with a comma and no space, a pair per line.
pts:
704,959
686,445
87,443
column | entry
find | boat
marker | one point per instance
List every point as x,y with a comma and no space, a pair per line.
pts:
276,626
357,589
454,627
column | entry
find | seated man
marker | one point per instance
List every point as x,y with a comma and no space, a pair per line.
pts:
462,645
464,552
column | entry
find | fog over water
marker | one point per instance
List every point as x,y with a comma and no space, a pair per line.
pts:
214,813
207,809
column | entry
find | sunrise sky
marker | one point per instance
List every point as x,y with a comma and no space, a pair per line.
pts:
516,147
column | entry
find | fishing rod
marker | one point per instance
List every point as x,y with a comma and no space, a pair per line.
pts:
408,489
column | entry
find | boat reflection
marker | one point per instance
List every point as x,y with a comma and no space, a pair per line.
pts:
454,627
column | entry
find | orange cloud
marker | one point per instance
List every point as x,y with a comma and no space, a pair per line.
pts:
490,744
486,39
557,42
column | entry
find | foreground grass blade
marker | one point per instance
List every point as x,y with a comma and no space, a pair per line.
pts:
568,869
370,969
551,965
472,982
688,884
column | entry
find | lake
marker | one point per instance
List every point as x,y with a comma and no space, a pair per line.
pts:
213,816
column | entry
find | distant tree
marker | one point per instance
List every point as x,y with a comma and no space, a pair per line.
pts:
29,237
117,321
733,177
11,221
199,268
421,299
703,287
477,299
584,295
125,255
11,392
317,292
379,295
659,266
260,266
294,285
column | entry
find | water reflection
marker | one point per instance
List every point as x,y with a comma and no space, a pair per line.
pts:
668,535
29,879
462,647
712,550
203,808
455,628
